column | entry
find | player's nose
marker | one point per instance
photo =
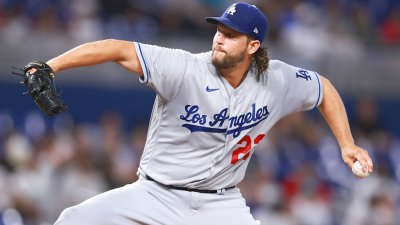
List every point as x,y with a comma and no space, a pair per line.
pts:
219,38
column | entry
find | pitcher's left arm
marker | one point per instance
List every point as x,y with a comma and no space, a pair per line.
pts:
334,112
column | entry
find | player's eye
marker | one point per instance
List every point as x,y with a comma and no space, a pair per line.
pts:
226,34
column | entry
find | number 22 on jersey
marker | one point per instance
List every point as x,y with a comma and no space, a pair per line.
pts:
244,152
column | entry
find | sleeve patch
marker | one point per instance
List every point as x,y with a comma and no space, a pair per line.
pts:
302,73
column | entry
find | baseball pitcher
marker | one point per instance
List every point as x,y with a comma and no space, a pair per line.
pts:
211,110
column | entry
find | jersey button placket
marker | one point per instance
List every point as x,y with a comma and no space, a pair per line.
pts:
232,104
232,107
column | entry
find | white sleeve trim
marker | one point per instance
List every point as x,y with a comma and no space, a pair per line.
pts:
320,91
146,74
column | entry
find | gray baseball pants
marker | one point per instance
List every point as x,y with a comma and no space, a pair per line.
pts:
147,202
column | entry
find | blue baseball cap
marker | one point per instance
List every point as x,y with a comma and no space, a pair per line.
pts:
244,18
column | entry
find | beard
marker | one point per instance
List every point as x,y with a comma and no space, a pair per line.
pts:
227,61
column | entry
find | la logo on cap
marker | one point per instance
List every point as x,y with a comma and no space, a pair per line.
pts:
231,10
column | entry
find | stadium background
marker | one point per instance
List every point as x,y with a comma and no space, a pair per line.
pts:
296,177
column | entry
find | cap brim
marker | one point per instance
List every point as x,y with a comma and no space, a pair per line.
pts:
226,22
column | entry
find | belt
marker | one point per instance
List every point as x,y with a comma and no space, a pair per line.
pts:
219,191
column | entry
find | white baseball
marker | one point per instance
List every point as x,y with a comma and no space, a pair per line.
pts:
357,170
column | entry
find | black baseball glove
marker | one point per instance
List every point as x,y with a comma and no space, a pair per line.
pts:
40,84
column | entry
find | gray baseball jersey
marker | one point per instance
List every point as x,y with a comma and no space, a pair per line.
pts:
202,130
201,135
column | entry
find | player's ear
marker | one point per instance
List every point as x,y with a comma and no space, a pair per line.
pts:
253,46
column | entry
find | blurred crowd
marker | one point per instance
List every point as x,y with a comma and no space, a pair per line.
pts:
295,177
367,22
46,166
